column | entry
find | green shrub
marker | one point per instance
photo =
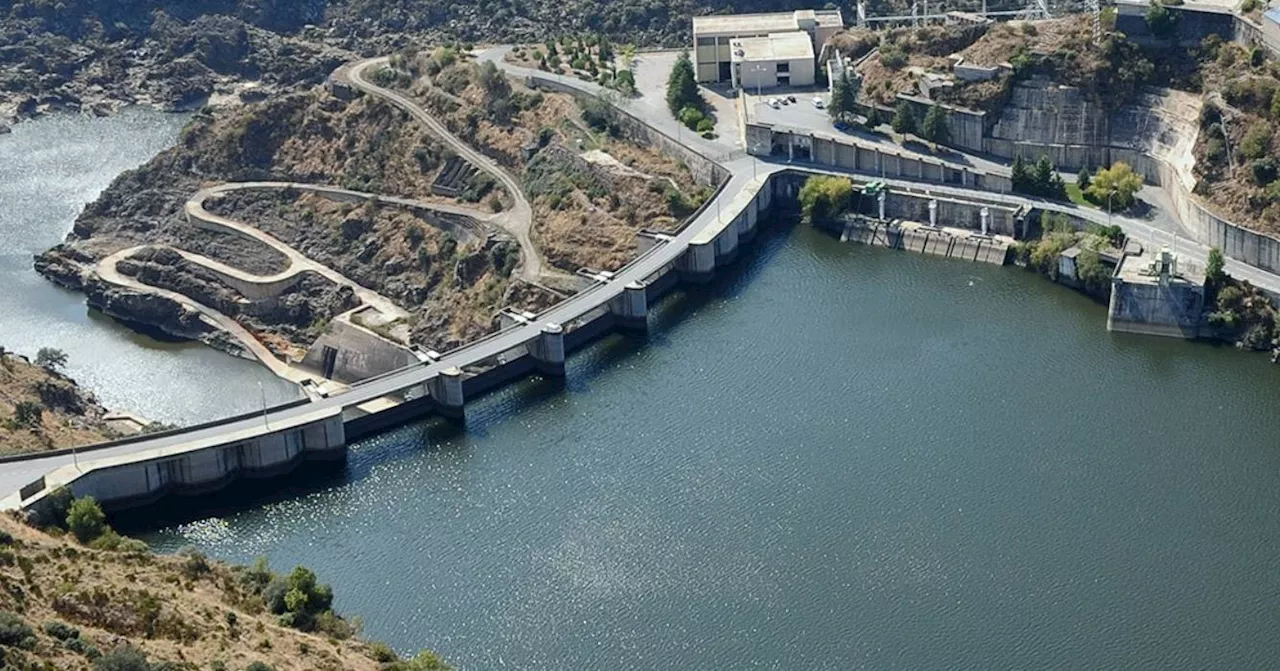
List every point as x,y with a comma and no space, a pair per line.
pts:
194,563
381,652
61,630
824,197
691,116
893,57
14,632
1263,171
86,520
259,666
1257,139
83,647
123,658
706,125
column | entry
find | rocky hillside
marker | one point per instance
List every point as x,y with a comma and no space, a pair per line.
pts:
42,409
453,288
81,597
592,186
308,137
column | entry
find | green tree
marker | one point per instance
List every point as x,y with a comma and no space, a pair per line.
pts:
873,117
823,197
1162,21
844,96
904,120
935,125
51,358
1019,176
1119,184
682,86
1082,179
86,520
1215,273
625,81
29,414
1042,176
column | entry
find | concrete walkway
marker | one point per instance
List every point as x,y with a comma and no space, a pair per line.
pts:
107,270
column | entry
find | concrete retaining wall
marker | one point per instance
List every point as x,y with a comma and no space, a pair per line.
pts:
360,353
847,154
966,127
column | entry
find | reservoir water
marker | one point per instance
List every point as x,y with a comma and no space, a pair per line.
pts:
51,168
839,457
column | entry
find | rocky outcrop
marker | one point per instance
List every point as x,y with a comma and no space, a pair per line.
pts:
171,59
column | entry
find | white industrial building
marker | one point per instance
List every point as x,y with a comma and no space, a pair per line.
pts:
777,59
715,57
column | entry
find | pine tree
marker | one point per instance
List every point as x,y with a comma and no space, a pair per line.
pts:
682,86
904,121
873,116
1082,179
843,98
1019,176
935,126
1042,178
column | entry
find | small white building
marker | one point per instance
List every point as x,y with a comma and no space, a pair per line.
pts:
713,35
777,59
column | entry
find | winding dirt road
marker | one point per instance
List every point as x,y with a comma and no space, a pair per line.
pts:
518,220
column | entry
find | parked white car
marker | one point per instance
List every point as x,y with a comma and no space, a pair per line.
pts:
773,102
817,102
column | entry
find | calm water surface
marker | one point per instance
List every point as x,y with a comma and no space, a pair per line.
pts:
49,169
840,458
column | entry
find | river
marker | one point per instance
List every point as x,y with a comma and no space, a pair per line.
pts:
51,168
839,457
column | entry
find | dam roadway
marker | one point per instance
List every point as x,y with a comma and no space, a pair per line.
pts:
706,241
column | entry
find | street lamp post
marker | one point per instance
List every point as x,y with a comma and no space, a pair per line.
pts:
263,392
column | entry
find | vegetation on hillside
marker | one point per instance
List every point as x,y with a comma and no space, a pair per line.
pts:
42,409
79,596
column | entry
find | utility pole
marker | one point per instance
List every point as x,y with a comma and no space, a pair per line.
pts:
263,392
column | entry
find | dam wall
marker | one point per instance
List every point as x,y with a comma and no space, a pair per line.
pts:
200,467
211,459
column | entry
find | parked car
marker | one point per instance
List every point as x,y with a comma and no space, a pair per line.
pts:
773,102
817,102
791,99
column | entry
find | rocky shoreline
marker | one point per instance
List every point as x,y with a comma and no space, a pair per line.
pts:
148,313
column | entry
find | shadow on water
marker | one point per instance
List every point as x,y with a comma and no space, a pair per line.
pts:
483,413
